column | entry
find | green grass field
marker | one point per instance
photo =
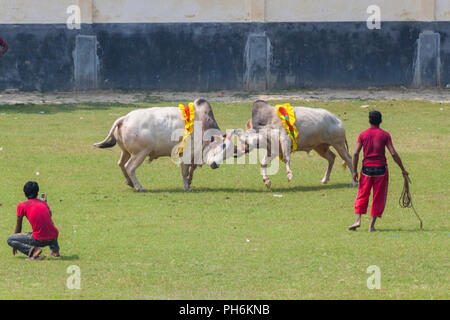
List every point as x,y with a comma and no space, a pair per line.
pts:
230,238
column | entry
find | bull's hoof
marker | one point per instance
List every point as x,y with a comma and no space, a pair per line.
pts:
323,181
289,176
354,184
267,183
187,189
141,190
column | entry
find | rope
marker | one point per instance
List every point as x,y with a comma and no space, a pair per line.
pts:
405,200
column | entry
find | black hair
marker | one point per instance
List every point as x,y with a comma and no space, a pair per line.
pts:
375,117
31,189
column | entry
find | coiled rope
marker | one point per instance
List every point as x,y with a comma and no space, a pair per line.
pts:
405,200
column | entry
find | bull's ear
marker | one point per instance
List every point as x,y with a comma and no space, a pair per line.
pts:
249,124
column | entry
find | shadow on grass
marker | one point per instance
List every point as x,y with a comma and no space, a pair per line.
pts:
240,190
64,258
69,258
63,107
410,230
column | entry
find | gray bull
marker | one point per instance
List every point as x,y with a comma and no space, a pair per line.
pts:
318,130
155,132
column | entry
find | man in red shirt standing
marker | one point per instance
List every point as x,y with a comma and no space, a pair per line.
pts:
40,217
4,46
374,173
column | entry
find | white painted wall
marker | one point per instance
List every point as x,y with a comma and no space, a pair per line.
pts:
22,11
171,11
42,11
348,10
442,10
129,11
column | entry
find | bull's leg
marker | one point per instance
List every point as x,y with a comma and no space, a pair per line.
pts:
287,161
185,168
285,145
343,153
124,157
191,173
264,162
131,166
324,151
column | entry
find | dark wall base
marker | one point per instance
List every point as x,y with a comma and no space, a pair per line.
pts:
212,56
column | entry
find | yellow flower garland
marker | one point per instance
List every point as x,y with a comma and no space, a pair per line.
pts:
188,113
287,117
188,118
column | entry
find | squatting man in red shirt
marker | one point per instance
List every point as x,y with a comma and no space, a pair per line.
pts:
44,232
374,173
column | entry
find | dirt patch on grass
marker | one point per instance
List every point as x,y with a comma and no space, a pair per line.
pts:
14,97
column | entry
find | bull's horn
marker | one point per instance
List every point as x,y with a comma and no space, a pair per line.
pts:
238,132
230,134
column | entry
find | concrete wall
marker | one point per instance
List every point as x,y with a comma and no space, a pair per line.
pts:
233,44
42,11
135,11
442,10
158,11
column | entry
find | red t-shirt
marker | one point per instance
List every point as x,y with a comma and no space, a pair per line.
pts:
38,213
2,43
374,141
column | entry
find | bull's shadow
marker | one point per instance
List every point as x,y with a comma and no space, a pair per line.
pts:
297,188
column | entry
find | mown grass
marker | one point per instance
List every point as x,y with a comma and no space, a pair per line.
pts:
230,238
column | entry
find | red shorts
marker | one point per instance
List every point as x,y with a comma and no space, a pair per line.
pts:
379,184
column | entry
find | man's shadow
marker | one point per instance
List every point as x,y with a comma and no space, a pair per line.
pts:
64,258
69,258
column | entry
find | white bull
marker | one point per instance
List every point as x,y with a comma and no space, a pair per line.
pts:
155,132
318,130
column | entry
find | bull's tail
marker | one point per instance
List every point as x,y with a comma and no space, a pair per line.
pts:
344,164
110,140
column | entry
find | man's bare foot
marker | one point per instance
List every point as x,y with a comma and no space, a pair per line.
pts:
36,254
372,229
54,255
354,226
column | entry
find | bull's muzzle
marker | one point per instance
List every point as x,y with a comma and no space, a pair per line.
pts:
214,165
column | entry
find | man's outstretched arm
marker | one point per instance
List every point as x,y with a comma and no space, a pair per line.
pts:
356,160
19,225
397,159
